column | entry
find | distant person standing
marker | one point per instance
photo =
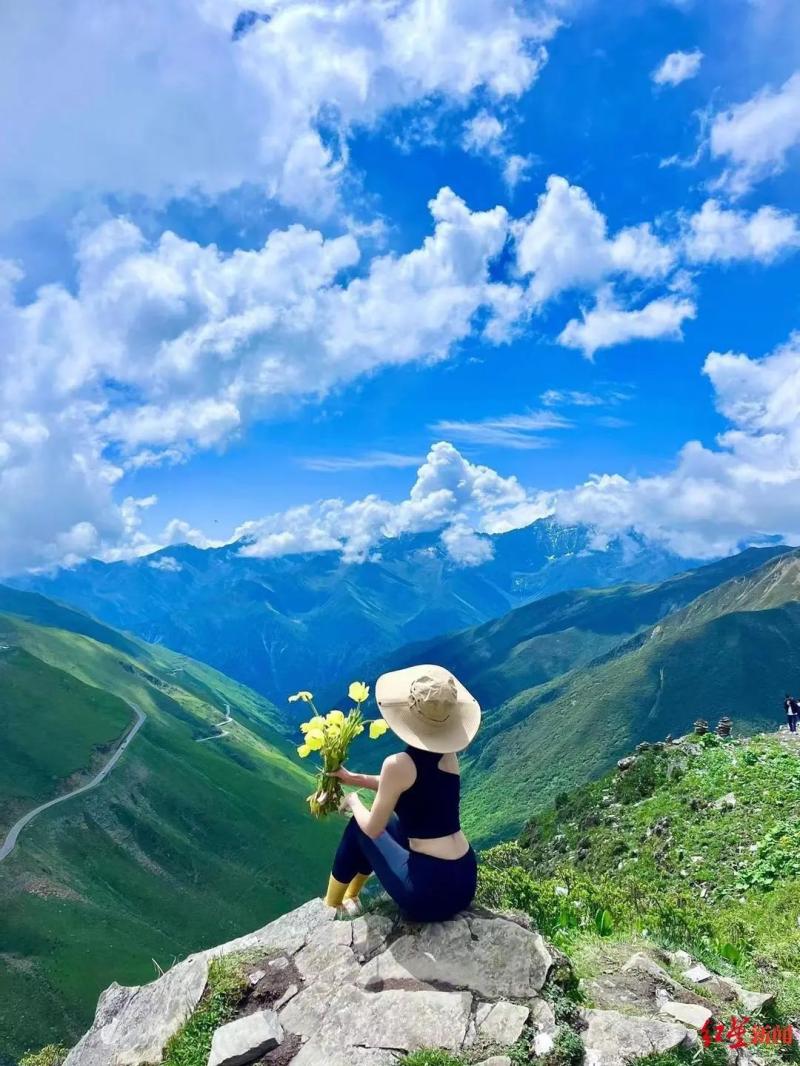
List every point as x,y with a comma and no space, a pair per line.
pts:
792,708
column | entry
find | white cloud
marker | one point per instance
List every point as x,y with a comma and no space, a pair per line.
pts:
520,431
485,134
170,347
167,563
578,398
156,99
449,493
329,464
755,138
716,234
607,324
564,245
678,67
716,498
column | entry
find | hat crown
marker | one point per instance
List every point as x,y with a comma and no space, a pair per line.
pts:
433,698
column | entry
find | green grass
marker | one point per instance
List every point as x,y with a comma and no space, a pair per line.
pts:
668,865
432,1057
191,1045
184,846
553,738
53,726
52,1055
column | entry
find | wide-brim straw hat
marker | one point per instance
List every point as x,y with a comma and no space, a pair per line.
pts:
428,708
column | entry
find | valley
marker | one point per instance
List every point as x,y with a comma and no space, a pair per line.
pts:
173,848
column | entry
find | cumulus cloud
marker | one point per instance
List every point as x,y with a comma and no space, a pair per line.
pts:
167,347
608,324
565,244
159,98
718,234
716,498
678,67
450,493
754,138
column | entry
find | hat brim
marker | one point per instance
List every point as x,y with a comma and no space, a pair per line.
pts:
392,692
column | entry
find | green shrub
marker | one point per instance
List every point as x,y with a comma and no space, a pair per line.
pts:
432,1057
52,1055
191,1044
642,779
712,1056
567,1050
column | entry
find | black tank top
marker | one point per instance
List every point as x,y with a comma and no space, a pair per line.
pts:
430,807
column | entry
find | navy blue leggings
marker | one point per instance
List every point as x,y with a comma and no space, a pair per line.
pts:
425,888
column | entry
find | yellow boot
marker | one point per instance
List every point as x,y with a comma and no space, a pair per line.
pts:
355,886
336,891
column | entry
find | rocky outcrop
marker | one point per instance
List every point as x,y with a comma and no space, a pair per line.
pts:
354,993
321,992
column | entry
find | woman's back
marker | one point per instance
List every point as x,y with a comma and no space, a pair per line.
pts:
429,810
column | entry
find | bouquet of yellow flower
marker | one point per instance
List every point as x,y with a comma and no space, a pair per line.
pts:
331,735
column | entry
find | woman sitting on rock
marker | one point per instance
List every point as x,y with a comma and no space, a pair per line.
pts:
411,837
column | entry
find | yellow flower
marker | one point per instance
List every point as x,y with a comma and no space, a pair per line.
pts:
377,729
304,751
335,718
306,697
358,692
315,738
332,731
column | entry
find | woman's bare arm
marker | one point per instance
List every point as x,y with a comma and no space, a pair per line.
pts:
397,774
369,781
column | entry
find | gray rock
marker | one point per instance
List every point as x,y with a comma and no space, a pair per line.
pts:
493,957
256,976
245,1039
611,1038
542,1016
626,763
306,1011
755,1001
501,1023
290,993
687,1013
316,1053
495,1060
287,934
698,974
397,1019
133,1024
543,1043
681,958
726,802
318,957
278,964
370,934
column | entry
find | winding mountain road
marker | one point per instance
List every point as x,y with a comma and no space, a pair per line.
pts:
11,840
221,732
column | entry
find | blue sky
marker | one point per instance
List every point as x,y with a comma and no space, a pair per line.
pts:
174,376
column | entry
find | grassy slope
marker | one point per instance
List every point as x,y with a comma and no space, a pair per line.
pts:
535,643
733,650
52,727
672,862
174,851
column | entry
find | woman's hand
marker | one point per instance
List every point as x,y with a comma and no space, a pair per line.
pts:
344,776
